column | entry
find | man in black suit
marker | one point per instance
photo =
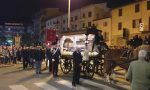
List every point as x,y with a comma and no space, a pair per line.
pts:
77,61
56,55
25,56
38,59
49,58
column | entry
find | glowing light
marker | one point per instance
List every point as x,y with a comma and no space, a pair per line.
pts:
10,41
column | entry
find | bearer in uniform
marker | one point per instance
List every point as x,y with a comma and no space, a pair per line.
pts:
77,61
56,55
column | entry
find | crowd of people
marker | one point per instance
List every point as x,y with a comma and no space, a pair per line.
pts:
137,41
9,55
34,56
31,57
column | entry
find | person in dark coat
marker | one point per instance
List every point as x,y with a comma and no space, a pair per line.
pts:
49,58
77,61
14,53
19,54
43,54
25,56
140,41
31,55
148,40
46,56
135,41
56,55
38,59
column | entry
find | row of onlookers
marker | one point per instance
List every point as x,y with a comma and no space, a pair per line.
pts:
137,41
9,54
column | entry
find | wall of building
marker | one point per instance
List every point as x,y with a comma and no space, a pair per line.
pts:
54,23
105,26
80,18
128,15
40,18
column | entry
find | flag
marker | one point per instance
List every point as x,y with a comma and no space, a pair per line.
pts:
17,40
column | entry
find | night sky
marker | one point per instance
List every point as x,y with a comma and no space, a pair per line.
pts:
22,10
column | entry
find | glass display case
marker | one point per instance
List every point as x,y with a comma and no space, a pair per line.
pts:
69,43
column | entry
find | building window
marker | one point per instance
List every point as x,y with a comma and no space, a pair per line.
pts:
72,26
83,15
119,26
63,29
83,25
57,22
75,26
148,5
53,22
137,7
120,12
90,14
105,24
64,21
76,18
136,23
133,24
71,19
89,24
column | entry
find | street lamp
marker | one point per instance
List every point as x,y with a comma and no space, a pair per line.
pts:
68,14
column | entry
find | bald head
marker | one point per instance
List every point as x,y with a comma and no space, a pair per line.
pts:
142,54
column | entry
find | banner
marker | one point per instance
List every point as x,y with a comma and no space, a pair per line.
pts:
17,40
50,36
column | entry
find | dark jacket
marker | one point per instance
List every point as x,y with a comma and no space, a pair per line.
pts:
19,53
56,54
49,54
77,58
25,53
38,55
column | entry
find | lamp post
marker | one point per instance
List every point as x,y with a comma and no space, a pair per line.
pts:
68,14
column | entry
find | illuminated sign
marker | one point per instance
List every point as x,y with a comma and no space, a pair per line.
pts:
14,24
141,27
